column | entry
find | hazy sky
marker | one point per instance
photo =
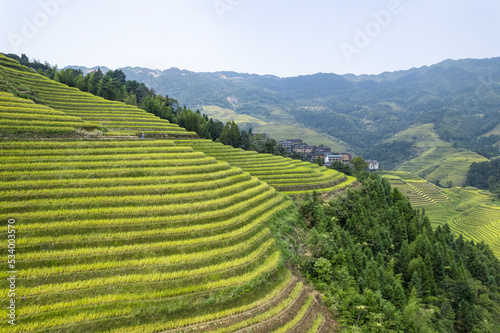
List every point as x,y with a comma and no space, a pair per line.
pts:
281,37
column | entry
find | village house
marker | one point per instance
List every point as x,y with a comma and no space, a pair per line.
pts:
346,158
295,142
303,149
286,144
322,151
372,165
329,159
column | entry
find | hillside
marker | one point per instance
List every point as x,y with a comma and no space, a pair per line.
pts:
383,268
438,161
277,128
118,234
377,116
468,211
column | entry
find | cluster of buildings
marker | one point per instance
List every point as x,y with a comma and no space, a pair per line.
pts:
322,152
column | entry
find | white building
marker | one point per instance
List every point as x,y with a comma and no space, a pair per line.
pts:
329,159
372,165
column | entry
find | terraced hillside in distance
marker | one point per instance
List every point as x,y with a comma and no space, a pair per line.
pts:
468,211
438,160
289,176
119,234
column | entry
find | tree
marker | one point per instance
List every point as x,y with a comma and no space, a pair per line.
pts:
231,135
270,147
131,100
416,283
323,268
245,140
465,316
359,163
341,167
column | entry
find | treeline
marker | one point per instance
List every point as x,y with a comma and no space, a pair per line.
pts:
114,86
484,145
485,175
382,268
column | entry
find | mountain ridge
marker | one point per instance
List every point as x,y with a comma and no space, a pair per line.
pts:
346,75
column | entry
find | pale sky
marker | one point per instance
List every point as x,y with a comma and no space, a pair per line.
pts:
280,37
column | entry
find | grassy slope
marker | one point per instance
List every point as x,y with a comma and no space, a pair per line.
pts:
438,161
277,130
472,212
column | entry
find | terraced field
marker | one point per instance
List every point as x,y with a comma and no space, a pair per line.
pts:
469,211
287,175
480,223
21,116
115,118
121,120
137,235
107,241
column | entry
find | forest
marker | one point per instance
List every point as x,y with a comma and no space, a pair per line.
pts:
382,268
485,175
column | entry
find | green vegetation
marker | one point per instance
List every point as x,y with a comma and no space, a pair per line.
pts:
128,248
172,232
459,97
124,120
382,268
111,116
392,154
113,86
23,116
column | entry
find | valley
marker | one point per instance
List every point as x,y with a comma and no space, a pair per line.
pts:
127,222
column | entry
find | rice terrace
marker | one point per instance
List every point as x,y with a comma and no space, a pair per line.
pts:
115,233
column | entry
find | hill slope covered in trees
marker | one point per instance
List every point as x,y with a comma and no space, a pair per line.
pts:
460,97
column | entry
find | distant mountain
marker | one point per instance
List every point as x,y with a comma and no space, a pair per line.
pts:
460,97
87,70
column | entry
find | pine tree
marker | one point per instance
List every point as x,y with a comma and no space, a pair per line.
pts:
403,258
465,316
415,283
